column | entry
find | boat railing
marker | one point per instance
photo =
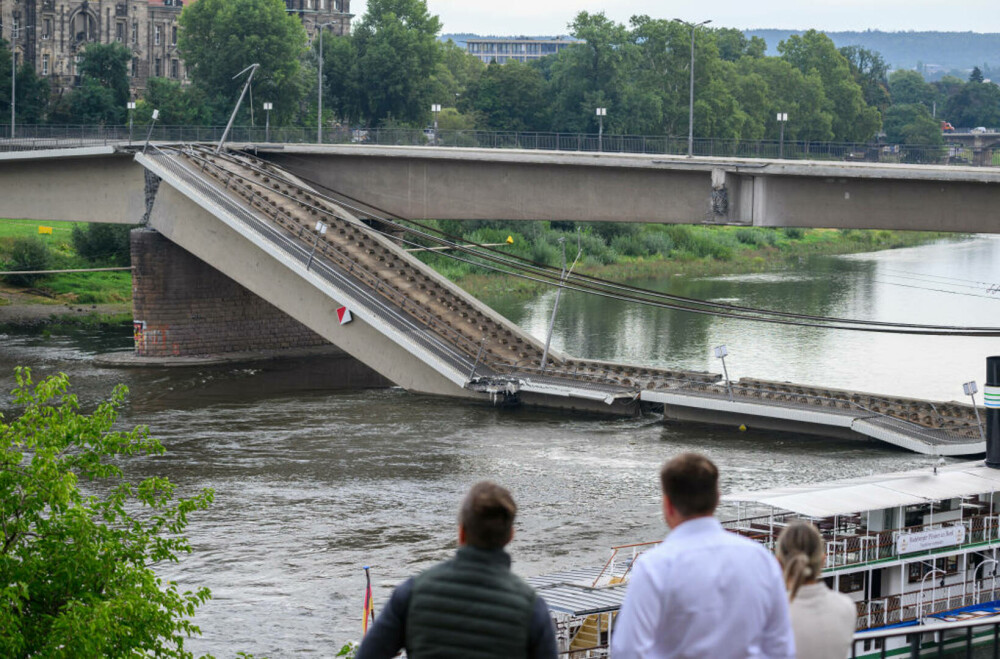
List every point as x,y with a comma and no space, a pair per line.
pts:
849,544
957,639
609,569
931,600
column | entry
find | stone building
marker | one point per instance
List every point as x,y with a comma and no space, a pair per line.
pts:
55,31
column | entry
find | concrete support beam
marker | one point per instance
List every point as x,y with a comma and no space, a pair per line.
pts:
75,185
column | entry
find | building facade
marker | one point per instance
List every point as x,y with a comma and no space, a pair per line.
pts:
50,34
522,49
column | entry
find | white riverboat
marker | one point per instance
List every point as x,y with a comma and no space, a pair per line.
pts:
910,548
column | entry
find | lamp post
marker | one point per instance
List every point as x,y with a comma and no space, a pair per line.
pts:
975,591
601,113
156,115
14,31
782,120
720,353
436,109
131,111
970,389
319,87
267,123
693,27
920,598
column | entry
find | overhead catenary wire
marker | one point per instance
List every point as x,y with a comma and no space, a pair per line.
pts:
544,274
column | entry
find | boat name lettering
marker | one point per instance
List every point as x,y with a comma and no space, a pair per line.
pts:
931,539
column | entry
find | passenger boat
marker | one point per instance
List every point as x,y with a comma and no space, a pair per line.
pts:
909,548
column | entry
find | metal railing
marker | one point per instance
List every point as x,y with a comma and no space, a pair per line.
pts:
970,638
35,137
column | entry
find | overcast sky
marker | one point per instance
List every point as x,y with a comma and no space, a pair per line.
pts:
535,17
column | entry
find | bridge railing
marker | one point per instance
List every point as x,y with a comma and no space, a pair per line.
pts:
36,137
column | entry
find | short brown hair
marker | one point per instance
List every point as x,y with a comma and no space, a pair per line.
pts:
691,482
487,515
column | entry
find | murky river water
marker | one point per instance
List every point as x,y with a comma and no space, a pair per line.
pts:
311,484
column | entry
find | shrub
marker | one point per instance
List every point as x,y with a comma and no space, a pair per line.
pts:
794,233
103,243
28,254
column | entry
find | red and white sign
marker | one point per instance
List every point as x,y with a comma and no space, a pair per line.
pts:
344,315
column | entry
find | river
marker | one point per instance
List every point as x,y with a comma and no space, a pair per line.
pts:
311,485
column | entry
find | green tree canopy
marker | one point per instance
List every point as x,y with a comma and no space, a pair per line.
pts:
907,87
107,64
179,105
76,561
853,119
871,72
976,104
510,97
976,75
397,52
220,38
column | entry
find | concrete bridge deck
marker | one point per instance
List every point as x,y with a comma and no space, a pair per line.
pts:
257,224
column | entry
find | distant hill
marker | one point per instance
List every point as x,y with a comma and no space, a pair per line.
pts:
932,52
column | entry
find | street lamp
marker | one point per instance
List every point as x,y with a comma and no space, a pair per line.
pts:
267,125
693,27
601,113
920,598
975,591
720,353
970,389
436,109
13,74
156,115
131,107
319,88
782,119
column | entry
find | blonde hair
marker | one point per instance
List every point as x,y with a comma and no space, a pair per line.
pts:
800,550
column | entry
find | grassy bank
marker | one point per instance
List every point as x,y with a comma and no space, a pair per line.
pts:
624,252
62,254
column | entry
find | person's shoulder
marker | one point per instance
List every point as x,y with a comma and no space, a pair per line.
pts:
843,602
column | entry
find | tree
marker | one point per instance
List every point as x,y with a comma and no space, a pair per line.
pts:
510,96
870,72
341,95
908,87
104,243
32,91
220,38
397,49
76,577
976,104
853,119
107,65
456,72
976,75
733,44
179,105
912,124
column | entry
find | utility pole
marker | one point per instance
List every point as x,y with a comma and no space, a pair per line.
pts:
436,109
693,27
319,87
782,120
14,31
267,125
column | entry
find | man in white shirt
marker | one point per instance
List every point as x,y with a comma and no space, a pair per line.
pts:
702,592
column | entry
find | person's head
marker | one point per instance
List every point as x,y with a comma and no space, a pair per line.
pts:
690,488
800,552
486,519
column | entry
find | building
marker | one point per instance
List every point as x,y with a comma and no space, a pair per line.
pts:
522,49
57,30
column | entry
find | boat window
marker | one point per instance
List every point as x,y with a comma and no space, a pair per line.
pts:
852,583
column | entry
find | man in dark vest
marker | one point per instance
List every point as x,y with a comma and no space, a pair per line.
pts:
471,605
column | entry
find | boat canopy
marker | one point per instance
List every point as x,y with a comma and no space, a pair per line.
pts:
877,492
578,601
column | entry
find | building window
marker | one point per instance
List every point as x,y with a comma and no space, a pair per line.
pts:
47,29
156,35
120,32
135,32
159,67
135,67
45,65
173,35
173,68
852,583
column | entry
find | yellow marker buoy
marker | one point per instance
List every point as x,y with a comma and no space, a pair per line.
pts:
45,230
743,427
510,240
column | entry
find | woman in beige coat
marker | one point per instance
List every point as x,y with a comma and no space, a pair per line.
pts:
823,621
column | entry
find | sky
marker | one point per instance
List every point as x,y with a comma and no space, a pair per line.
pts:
547,17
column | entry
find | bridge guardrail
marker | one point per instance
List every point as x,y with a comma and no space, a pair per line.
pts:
36,137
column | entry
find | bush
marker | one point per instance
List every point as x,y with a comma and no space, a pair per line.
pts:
748,236
28,254
794,233
76,575
104,244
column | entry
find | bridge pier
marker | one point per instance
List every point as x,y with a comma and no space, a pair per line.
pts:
183,307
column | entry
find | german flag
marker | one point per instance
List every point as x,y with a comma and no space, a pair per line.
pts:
369,610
